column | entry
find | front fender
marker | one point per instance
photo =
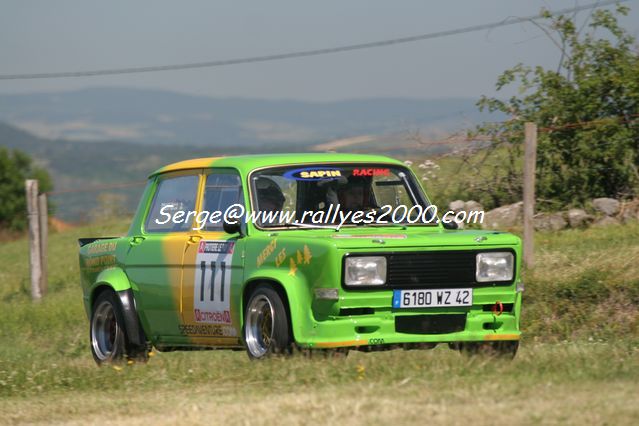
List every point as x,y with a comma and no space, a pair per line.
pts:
297,290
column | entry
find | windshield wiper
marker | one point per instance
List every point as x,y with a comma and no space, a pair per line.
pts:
377,225
308,226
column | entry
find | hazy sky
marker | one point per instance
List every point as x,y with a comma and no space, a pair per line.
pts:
65,35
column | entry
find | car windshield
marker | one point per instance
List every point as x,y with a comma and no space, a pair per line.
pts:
338,194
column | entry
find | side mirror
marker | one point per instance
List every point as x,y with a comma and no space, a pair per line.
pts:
450,225
232,227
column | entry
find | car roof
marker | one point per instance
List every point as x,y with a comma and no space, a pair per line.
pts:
246,163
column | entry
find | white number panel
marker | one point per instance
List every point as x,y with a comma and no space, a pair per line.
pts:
212,287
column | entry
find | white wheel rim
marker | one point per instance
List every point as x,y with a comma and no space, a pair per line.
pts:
260,321
105,331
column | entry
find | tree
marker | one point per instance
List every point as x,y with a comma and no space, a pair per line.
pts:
15,168
587,111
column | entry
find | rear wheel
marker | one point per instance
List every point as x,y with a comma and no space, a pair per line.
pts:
266,324
108,338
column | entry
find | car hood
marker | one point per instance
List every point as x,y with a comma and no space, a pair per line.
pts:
357,238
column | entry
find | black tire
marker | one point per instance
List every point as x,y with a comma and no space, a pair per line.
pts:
503,349
107,334
266,329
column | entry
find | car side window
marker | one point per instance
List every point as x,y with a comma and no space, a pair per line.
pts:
174,198
220,192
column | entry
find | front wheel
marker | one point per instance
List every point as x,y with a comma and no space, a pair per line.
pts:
266,324
107,330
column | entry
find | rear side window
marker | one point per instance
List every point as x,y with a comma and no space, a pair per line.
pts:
221,192
173,195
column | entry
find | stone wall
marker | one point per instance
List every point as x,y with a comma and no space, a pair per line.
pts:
599,212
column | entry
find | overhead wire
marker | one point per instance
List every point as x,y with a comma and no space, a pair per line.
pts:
305,53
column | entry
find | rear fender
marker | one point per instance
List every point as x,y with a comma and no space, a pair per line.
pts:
116,280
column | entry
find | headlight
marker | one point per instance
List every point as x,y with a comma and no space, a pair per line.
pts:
494,266
365,270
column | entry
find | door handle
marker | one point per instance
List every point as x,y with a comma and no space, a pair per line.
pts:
135,241
193,239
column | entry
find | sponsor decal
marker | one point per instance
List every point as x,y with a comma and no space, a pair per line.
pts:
371,172
300,257
281,257
96,248
97,262
213,316
292,270
207,330
381,236
308,255
216,247
313,173
212,287
266,252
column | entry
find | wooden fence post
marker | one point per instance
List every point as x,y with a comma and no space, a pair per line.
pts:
530,159
35,257
43,222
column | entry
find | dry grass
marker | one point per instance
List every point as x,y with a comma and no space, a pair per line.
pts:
585,284
547,384
356,404
582,297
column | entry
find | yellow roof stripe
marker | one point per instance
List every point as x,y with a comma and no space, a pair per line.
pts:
195,163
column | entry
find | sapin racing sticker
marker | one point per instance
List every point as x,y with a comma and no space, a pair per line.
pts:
313,173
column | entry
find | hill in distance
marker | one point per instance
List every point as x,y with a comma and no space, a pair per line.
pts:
76,165
102,136
160,117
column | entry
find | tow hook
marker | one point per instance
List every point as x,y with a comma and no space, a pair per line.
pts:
498,308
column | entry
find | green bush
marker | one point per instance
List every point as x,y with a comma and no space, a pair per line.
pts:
15,167
587,112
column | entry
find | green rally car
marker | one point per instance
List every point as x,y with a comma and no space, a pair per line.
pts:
316,251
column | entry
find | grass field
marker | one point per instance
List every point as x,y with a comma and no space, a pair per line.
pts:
578,363
465,177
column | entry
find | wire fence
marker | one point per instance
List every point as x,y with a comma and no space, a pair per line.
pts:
86,203
92,203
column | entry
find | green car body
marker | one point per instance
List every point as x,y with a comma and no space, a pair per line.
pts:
185,288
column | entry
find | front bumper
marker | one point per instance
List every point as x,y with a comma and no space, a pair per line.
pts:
379,325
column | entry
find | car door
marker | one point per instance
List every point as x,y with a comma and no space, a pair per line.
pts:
213,266
155,257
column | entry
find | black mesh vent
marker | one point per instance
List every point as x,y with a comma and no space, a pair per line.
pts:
430,324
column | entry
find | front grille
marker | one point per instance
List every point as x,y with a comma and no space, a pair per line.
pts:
431,269
430,324
437,269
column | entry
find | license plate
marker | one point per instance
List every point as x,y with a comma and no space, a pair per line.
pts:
432,298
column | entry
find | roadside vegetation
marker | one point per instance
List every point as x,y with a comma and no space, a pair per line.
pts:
587,113
15,167
579,360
